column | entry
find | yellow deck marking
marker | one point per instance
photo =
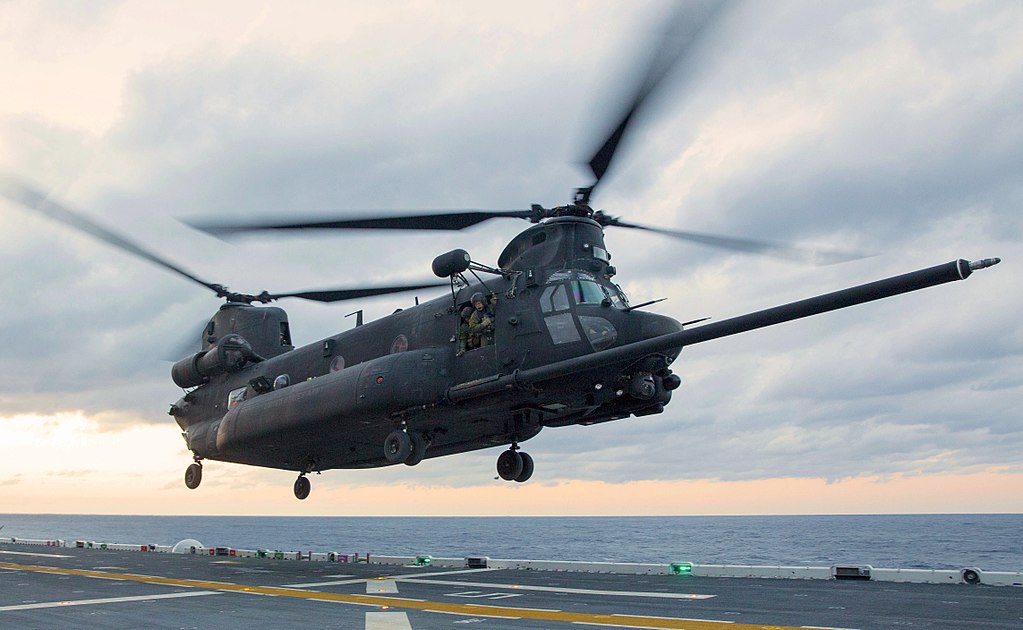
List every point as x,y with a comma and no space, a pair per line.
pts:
636,621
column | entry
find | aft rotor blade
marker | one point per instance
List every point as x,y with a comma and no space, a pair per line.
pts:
682,32
21,193
426,220
765,248
339,295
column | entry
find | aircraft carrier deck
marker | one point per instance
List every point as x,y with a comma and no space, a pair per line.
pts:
50,584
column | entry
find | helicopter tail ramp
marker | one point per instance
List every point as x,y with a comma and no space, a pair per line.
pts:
896,285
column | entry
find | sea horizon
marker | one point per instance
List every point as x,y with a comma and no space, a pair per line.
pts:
989,541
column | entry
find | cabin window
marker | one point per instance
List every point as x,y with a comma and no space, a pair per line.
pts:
400,344
562,328
285,334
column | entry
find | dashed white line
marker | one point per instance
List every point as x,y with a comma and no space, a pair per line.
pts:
387,621
375,587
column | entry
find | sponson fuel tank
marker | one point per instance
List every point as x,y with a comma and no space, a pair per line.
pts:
376,388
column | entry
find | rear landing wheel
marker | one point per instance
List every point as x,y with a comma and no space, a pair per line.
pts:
302,487
527,468
509,465
193,476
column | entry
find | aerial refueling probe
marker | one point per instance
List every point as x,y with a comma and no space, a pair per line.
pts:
913,281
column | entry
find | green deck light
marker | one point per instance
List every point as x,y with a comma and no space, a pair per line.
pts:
681,568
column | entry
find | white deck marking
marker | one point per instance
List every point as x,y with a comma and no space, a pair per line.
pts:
387,621
483,595
329,583
375,587
41,555
556,589
410,576
107,600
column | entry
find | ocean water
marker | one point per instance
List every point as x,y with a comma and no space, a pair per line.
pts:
992,542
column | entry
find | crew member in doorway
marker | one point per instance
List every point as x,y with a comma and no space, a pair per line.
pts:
481,322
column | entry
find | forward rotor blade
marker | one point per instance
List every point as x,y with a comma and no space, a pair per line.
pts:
340,295
428,220
23,194
682,32
818,257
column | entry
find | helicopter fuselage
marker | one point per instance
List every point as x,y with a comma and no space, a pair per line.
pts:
332,404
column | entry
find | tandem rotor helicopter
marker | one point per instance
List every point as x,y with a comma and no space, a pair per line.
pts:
545,338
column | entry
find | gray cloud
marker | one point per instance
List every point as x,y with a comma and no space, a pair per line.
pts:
885,128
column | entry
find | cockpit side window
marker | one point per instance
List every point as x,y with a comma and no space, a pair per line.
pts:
618,298
554,298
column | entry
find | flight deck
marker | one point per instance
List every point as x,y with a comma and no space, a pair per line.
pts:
123,586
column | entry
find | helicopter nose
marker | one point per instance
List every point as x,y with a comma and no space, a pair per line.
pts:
656,325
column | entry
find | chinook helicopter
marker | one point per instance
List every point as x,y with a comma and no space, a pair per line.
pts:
563,346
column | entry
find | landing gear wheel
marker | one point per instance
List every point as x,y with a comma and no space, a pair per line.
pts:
418,449
193,476
527,468
509,465
397,447
302,487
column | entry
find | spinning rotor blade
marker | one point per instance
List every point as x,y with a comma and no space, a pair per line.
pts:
682,32
427,220
23,194
339,295
766,248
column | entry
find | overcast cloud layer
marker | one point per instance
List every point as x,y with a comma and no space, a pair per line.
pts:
888,128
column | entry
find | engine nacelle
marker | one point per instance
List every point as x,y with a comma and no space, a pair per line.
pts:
231,353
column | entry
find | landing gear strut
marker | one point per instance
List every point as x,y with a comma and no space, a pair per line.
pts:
193,475
513,465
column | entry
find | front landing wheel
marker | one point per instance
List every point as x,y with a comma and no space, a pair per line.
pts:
193,476
397,447
302,487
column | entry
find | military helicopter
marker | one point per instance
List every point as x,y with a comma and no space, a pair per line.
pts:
545,338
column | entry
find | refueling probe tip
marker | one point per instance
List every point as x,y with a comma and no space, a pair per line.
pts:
983,264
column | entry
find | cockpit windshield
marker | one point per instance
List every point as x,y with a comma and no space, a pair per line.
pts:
583,287
587,292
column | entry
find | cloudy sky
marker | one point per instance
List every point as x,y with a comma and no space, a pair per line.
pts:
890,128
